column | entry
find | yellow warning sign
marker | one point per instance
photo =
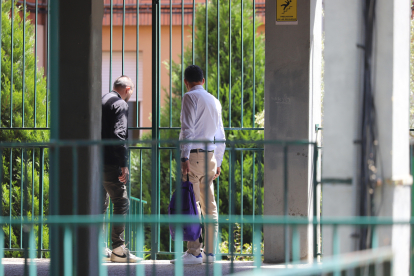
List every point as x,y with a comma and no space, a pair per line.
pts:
286,11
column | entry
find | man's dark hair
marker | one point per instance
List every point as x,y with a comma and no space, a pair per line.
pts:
193,73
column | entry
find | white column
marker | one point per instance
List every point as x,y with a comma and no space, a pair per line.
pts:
342,108
391,88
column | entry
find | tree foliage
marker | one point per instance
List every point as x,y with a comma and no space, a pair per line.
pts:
18,109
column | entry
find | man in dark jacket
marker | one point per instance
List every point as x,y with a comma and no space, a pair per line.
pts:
116,173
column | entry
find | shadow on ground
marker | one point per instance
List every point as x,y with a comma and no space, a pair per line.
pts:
15,266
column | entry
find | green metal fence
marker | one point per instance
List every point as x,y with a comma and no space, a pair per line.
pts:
336,265
228,58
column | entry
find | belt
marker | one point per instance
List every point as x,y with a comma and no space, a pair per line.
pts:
200,150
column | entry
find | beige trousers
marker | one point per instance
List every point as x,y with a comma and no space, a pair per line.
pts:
204,198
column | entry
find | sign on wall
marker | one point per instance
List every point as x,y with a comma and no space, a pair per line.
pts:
286,12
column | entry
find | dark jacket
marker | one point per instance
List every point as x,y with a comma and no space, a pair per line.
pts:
115,127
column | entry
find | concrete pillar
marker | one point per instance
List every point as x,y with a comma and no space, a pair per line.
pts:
342,118
78,64
391,84
343,77
292,104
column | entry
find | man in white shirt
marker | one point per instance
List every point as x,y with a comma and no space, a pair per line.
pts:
201,120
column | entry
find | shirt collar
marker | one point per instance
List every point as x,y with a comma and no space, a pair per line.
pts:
197,87
113,91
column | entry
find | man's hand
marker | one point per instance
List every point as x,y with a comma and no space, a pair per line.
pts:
124,176
217,173
185,167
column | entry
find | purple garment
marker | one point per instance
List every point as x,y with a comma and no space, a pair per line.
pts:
191,232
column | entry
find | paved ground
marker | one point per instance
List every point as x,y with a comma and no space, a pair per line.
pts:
164,268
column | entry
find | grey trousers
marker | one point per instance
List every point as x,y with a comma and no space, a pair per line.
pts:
116,191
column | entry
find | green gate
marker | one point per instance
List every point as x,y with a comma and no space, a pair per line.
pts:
224,41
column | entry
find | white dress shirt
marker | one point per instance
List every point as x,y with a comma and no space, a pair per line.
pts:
201,120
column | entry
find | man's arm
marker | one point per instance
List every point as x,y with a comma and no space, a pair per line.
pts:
120,131
187,129
220,138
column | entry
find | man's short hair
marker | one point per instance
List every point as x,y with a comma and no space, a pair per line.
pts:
123,82
193,73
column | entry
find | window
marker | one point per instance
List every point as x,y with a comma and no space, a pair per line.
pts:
129,70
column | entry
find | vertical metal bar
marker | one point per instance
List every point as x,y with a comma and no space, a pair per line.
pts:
192,33
207,225
159,201
232,204
33,180
123,37
110,45
170,195
241,202
155,126
128,232
254,64
257,247
1,58
285,201
1,239
375,238
206,76
67,247
41,183
137,69
242,63
21,201
178,246
32,251
170,65
140,181
1,195
217,268
314,146
25,230
253,196
182,48
26,211
218,50
259,187
12,63
11,194
295,244
336,249
140,269
103,271
54,90
218,195
25,187
47,62
24,59
412,213
1,206
158,112
229,63
128,226
35,66
336,240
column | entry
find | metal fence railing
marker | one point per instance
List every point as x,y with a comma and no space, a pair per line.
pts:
238,191
375,262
